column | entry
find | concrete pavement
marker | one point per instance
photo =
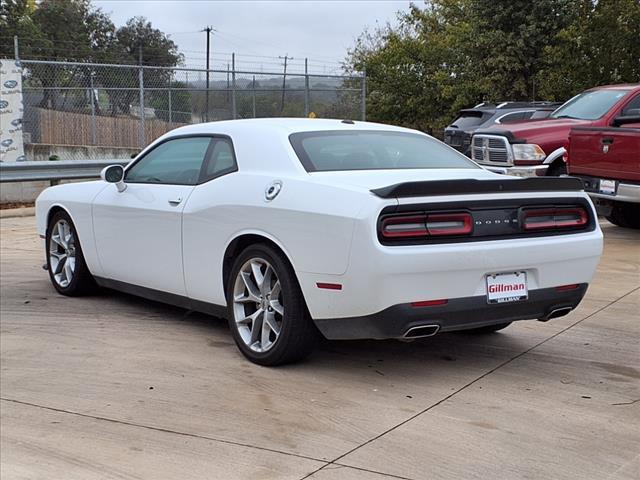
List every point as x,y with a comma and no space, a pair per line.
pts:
112,386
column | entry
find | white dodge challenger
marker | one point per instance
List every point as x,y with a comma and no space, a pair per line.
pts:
292,228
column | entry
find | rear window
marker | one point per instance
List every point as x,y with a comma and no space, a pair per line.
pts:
373,150
469,120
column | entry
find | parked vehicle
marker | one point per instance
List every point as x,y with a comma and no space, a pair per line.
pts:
458,134
288,227
607,159
538,148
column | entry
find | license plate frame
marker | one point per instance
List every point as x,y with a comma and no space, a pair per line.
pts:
607,187
506,287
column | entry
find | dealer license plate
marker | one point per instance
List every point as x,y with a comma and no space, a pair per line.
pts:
507,287
608,187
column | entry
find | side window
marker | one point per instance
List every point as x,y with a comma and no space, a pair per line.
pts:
512,117
221,159
175,162
632,105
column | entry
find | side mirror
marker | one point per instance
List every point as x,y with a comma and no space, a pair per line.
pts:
114,174
624,119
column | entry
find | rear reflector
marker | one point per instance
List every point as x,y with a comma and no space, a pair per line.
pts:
430,303
329,286
564,288
550,218
425,225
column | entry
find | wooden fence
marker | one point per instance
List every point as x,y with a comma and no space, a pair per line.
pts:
68,128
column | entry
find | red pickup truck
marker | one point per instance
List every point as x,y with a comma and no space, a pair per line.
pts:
607,159
538,148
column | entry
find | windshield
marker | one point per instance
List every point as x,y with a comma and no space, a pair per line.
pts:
373,150
589,105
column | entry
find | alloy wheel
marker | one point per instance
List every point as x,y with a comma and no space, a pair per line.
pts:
257,305
62,253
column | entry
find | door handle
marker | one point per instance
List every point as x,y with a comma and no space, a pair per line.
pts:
607,141
175,202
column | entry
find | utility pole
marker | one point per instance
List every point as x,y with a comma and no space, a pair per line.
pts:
306,88
208,29
284,79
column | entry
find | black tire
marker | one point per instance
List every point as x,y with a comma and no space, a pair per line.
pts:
82,281
557,169
488,328
625,215
298,334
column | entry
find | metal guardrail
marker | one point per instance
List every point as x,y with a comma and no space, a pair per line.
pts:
55,170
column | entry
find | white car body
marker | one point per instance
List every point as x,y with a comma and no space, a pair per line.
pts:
325,223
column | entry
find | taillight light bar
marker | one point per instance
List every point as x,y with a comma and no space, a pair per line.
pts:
551,218
404,226
449,224
427,225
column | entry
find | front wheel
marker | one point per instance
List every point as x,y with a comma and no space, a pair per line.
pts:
557,169
268,316
67,269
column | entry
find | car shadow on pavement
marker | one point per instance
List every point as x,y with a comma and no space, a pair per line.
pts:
447,348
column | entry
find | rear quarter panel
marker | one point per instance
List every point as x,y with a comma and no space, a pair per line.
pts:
312,223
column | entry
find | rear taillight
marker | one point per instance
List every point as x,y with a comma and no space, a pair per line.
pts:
558,217
449,224
404,226
427,225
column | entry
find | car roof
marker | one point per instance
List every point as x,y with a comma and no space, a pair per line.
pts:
621,86
262,144
282,126
501,106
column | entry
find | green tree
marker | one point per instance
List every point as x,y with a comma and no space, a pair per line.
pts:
138,41
600,46
455,53
16,19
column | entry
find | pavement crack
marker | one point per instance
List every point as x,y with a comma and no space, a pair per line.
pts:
464,387
160,429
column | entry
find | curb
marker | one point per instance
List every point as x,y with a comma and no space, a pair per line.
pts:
18,212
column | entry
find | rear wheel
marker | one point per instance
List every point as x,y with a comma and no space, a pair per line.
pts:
268,316
489,328
625,215
67,269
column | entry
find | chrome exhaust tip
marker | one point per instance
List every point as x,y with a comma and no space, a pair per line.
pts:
555,313
421,331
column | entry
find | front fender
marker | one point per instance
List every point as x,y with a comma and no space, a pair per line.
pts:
553,156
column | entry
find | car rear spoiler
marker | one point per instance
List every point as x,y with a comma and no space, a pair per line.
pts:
474,186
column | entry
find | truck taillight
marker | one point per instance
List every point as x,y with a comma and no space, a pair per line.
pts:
551,218
427,225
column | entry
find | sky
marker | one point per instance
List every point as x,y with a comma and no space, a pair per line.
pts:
261,31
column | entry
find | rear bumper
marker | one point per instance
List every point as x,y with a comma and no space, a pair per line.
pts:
604,202
457,314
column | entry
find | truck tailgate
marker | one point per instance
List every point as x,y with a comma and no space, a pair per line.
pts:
605,152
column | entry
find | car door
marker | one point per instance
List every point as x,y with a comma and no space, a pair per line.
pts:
208,221
138,231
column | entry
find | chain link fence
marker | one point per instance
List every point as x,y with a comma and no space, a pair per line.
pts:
127,106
